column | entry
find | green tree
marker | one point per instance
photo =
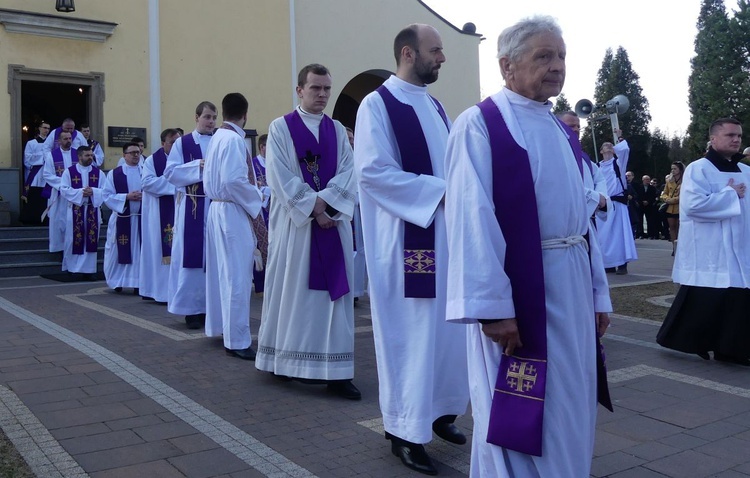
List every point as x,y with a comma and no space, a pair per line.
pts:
659,155
561,104
718,82
740,29
617,77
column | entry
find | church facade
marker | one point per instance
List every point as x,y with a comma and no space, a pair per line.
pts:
137,67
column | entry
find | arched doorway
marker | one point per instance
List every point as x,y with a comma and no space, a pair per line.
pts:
354,92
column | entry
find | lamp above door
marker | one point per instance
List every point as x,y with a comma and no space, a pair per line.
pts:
65,6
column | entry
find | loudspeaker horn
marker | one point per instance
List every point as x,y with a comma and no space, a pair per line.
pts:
618,105
584,108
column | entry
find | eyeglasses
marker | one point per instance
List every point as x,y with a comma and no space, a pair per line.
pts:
135,153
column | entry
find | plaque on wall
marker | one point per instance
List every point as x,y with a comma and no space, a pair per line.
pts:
119,136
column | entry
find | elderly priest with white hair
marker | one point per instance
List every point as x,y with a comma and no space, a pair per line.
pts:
525,279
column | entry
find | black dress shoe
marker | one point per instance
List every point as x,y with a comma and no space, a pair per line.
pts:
609,269
622,270
344,389
118,289
449,432
195,321
244,354
136,291
412,455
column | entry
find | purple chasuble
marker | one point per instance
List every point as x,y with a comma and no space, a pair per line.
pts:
517,412
419,243
195,204
123,223
260,177
318,163
166,208
59,162
86,216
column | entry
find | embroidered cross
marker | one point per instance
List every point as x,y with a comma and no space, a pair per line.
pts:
123,239
93,178
311,160
168,234
521,377
59,170
76,180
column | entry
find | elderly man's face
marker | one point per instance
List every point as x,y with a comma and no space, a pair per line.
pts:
68,127
540,71
629,176
167,144
646,180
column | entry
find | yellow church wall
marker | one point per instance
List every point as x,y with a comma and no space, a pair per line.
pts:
354,36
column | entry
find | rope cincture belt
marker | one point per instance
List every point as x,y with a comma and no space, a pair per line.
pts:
564,242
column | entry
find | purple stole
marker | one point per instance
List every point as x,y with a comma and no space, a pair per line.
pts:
59,162
166,209
419,243
318,164
517,410
85,220
32,174
56,136
123,223
192,257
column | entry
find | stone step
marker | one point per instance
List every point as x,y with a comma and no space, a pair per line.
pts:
35,269
33,243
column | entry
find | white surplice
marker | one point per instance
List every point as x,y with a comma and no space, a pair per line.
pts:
302,332
33,155
86,262
359,271
187,286
57,208
77,142
421,358
230,241
154,273
616,233
116,274
479,288
714,228
595,186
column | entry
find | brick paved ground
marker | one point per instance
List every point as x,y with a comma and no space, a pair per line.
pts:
107,385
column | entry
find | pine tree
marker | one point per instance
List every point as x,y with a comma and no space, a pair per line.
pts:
561,104
617,77
717,77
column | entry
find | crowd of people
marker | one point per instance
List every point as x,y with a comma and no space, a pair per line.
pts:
531,224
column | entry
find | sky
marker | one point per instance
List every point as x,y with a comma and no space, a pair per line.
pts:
658,35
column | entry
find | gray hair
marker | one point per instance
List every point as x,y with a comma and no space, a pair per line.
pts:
512,41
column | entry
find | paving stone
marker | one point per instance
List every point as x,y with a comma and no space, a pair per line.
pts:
688,414
53,406
103,441
194,443
144,406
163,431
79,431
123,398
683,441
689,463
83,416
51,396
651,451
638,472
730,474
208,463
126,456
136,421
731,450
716,430
49,384
641,428
153,469
607,443
108,389
613,463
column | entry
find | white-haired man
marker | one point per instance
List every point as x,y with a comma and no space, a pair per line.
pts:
524,278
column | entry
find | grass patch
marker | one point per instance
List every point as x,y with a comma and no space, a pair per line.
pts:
633,300
12,464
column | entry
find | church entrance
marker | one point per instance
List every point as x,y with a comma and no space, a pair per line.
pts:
354,92
51,96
